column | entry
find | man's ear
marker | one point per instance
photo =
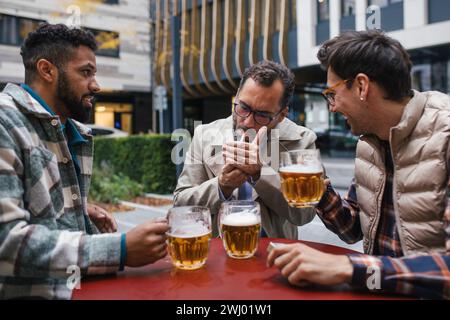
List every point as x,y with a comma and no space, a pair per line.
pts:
362,83
46,70
284,113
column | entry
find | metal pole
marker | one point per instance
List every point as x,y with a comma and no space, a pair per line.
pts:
152,15
177,103
161,120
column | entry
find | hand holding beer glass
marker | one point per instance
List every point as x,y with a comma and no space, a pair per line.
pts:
240,227
302,176
189,236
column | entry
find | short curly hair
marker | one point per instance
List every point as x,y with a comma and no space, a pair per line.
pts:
55,43
266,72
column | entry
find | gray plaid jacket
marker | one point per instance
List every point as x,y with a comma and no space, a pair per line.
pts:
43,232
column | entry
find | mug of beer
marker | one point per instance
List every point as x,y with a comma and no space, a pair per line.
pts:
301,175
189,236
240,227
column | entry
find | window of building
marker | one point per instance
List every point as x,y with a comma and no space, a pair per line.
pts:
108,42
438,11
323,21
114,115
348,8
383,3
323,10
391,14
14,30
110,1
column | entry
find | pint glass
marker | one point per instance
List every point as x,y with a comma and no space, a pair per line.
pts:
240,227
301,175
189,236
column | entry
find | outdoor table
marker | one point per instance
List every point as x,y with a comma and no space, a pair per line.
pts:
221,278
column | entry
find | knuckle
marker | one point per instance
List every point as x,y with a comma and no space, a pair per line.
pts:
285,273
292,278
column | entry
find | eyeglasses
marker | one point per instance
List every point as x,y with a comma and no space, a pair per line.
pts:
330,93
261,118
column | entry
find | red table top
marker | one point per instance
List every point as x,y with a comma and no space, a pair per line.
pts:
222,278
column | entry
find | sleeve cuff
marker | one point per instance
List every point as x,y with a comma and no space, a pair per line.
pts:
252,181
327,198
222,197
365,266
101,252
123,251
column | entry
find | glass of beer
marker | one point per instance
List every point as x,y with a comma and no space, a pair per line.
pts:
189,236
301,174
240,227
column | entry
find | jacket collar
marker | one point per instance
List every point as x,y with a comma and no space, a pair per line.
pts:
411,115
34,105
26,102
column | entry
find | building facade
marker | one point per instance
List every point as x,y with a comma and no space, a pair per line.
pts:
220,38
122,30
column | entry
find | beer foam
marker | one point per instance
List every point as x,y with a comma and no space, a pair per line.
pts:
241,219
299,168
189,231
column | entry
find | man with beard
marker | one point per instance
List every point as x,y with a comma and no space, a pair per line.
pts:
46,233
213,172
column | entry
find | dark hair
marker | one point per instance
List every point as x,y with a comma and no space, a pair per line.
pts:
266,73
55,43
381,58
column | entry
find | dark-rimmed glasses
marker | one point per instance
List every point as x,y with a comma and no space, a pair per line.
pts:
262,118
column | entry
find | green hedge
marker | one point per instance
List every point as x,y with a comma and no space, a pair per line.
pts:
109,187
143,158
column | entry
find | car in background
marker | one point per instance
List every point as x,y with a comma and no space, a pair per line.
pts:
342,139
106,132
336,142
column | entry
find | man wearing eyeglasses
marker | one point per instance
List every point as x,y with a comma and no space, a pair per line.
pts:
220,166
399,201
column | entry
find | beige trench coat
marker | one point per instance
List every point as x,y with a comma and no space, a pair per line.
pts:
198,182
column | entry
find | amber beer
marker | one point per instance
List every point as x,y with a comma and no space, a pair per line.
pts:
189,236
240,233
302,186
189,247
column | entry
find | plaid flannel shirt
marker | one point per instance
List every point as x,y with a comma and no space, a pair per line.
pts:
425,276
45,234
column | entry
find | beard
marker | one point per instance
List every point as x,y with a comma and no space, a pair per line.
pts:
73,103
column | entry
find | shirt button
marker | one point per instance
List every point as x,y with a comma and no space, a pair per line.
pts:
74,196
65,160
54,122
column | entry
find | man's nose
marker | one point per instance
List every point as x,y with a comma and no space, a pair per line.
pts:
94,86
249,122
332,107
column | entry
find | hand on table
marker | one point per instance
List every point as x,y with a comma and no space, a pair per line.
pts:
300,263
